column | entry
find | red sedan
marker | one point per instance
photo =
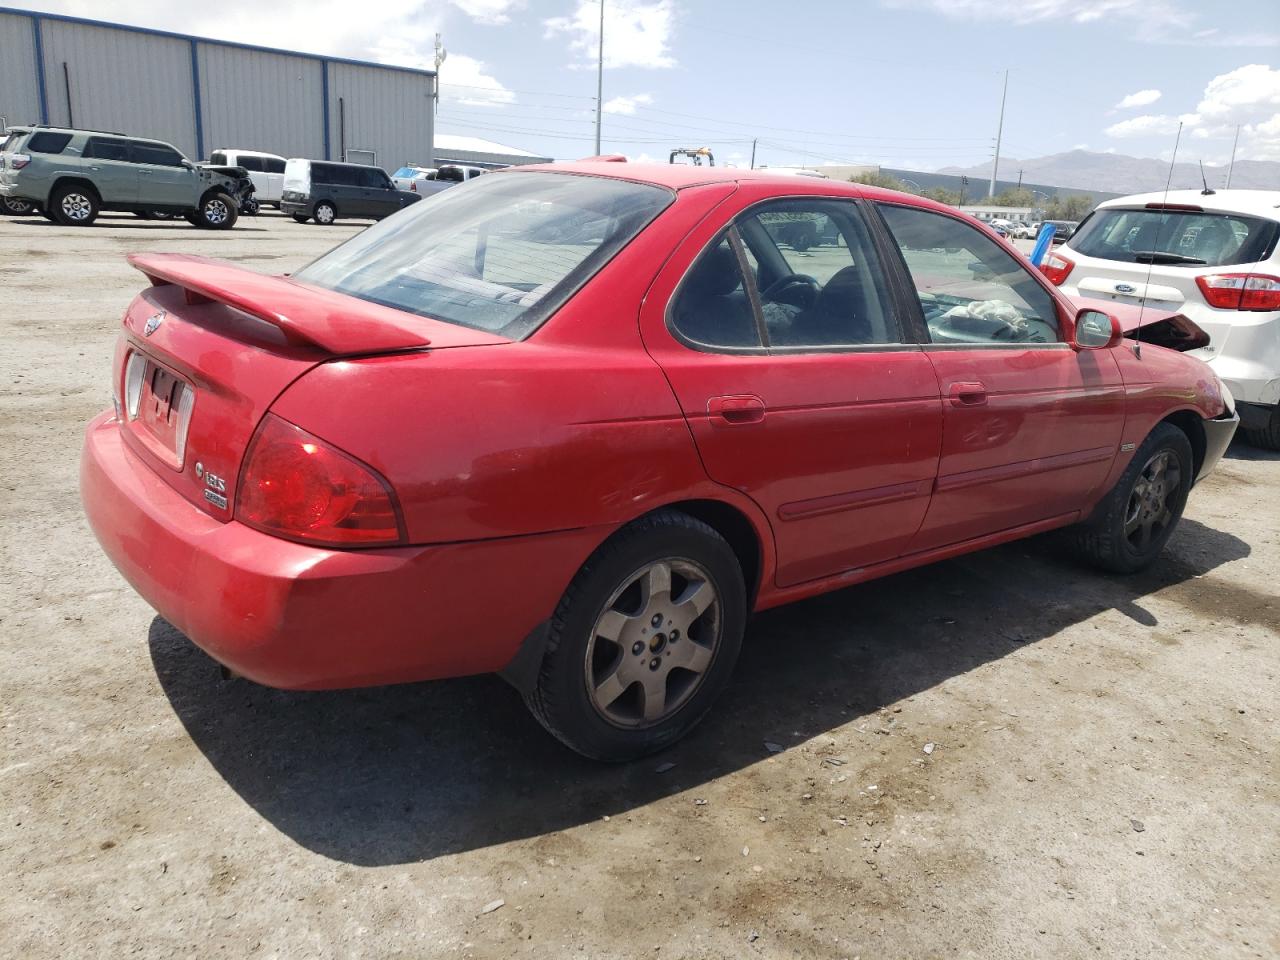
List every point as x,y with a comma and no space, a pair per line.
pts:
574,423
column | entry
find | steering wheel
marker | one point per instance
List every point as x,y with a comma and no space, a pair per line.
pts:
801,286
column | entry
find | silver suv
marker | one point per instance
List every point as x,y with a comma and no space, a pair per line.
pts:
72,175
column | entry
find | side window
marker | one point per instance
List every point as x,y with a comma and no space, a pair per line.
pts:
346,177
373,177
711,307
252,164
103,148
971,290
156,154
45,142
274,165
218,157
821,283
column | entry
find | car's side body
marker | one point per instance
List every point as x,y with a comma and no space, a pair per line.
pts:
266,170
122,172
349,190
513,460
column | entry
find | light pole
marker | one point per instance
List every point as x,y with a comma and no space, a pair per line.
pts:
995,166
600,79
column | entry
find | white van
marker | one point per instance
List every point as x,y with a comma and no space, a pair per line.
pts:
266,170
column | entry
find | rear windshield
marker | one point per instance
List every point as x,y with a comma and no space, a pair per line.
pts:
499,254
1176,237
408,173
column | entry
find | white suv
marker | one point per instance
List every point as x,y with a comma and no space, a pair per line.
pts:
266,170
1211,257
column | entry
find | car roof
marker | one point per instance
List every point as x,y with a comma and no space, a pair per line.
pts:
1264,203
248,153
676,176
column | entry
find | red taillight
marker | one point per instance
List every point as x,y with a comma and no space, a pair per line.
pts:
296,486
1241,291
413,185
1056,267
18,160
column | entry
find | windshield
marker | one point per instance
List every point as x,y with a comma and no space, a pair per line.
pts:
498,254
1176,237
407,173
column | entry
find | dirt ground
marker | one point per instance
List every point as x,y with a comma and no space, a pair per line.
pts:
1103,780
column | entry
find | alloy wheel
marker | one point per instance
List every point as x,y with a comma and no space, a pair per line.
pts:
653,644
76,206
216,212
1150,509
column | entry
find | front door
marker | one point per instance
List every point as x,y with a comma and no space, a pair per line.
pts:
164,180
797,383
1030,425
381,198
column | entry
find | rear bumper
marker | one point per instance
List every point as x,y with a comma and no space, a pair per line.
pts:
301,617
1217,437
293,208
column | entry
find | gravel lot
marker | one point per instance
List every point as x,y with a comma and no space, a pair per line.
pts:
1103,780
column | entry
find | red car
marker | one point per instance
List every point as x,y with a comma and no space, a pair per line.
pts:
574,423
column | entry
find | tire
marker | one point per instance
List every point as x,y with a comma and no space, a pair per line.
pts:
14,207
144,214
217,212
802,241
1266,437
48,216
74,206
1131,525
249,207
299,218
325,213
618,699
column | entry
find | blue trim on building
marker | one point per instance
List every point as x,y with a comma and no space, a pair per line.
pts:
39,42
60,18
324,105
195,95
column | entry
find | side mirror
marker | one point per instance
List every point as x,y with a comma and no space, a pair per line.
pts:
1096,330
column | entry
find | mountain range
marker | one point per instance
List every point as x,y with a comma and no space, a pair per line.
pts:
1116,173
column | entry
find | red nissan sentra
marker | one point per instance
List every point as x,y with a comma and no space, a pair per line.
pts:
574,423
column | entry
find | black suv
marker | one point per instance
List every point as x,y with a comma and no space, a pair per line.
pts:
327,191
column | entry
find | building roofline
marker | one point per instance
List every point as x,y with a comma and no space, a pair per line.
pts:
148,31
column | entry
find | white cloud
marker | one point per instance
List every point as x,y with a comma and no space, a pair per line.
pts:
1142,98
1146,125
488,11
1247,98
627,105
636,34
1160,21
463,79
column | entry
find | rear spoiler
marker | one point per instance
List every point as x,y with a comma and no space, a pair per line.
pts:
307,316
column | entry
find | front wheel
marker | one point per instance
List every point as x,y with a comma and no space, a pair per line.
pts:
1267,436
217,212
249,207
1131,526
644,639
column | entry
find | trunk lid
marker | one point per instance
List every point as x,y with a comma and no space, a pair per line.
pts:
209,347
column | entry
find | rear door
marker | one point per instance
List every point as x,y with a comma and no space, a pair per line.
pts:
111,169
273,187
798,383
1030,425
163,177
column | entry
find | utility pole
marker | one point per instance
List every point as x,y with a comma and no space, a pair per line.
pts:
1231,166
995,167
964,186
1019,178
600,80
753,154
441,53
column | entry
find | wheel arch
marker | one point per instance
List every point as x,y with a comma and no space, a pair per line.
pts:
1191,423
69,181
738,531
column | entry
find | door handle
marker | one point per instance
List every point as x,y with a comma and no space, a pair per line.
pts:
736,410
967,394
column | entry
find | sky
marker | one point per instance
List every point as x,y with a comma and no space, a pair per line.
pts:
901,83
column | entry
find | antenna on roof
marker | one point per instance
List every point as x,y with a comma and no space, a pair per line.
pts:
1206,192
1155,248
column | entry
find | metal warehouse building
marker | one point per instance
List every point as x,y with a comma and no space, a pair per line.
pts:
201,95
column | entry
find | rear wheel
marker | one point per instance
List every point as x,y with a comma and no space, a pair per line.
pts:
299,218
1267,436
644,639
1131,526
75,206
217,212
325,213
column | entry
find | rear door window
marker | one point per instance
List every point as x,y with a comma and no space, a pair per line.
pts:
274,165
1176,237
46,142
252,164
106,148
